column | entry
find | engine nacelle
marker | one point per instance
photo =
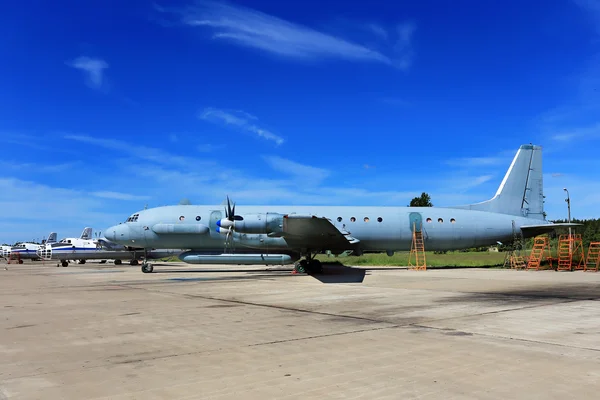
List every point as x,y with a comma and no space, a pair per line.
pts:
263,223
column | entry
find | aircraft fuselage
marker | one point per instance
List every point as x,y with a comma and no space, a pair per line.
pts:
376,228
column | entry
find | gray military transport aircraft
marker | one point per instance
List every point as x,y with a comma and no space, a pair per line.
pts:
276,235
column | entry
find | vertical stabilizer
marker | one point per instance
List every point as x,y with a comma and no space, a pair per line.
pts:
521,191
51,238
86,234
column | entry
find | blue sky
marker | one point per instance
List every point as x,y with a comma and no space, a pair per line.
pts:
106,106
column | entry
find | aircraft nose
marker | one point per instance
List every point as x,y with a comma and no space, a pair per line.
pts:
117,233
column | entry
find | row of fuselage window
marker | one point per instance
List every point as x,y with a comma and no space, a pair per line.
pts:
339,219
379,219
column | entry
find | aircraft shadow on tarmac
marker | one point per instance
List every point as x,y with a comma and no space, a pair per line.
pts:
335,273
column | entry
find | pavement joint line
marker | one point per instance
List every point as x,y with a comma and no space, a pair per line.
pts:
506,337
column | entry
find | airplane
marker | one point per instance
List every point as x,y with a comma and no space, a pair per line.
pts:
5,251
277,235
85,248
28,251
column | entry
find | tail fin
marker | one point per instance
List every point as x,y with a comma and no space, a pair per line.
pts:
521,191
86,234
51,238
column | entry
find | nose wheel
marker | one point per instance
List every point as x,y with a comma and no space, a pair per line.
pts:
147,268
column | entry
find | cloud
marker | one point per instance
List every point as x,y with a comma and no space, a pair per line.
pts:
251,28
37,209
38,168
94,69
143,152
592,10
305,172
586,132
239,120
477,161
118,196
584,193
209,148
377,30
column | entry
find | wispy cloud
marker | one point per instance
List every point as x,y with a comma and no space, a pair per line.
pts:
592,8
118,196
61,208
592,131
477,161
93,68
306,172
251,28
240,120
38,168
209,148
143,152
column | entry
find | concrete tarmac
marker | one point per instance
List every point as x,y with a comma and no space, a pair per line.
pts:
100,331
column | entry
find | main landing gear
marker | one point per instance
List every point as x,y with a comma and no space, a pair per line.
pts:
309,265
146,267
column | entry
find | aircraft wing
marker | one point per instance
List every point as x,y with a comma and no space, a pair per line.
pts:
534,230
315,233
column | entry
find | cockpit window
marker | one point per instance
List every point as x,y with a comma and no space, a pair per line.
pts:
133,218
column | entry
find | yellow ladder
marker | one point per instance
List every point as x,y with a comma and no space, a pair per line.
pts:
517,262
537,252
418,250
592,262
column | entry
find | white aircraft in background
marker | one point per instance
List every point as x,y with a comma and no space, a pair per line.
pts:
28,251
5,251
86,248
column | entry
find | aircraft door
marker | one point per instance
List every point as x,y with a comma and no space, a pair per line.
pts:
415,221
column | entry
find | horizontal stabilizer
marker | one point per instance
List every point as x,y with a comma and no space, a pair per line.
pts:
534,230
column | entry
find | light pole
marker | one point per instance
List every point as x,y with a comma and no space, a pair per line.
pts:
568,200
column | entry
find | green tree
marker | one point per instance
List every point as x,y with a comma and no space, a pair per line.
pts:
422,201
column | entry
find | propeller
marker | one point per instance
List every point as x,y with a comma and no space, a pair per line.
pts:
230,212
228,222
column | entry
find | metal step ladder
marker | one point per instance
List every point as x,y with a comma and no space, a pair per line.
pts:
417,250
592,262
540,244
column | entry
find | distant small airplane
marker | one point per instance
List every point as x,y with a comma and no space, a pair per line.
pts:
5,251
283,234
85,248
28,251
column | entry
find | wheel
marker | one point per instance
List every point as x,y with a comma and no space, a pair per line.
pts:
133,262
301,266
20,261
147,268
64,264
118,262
81,261
316,266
